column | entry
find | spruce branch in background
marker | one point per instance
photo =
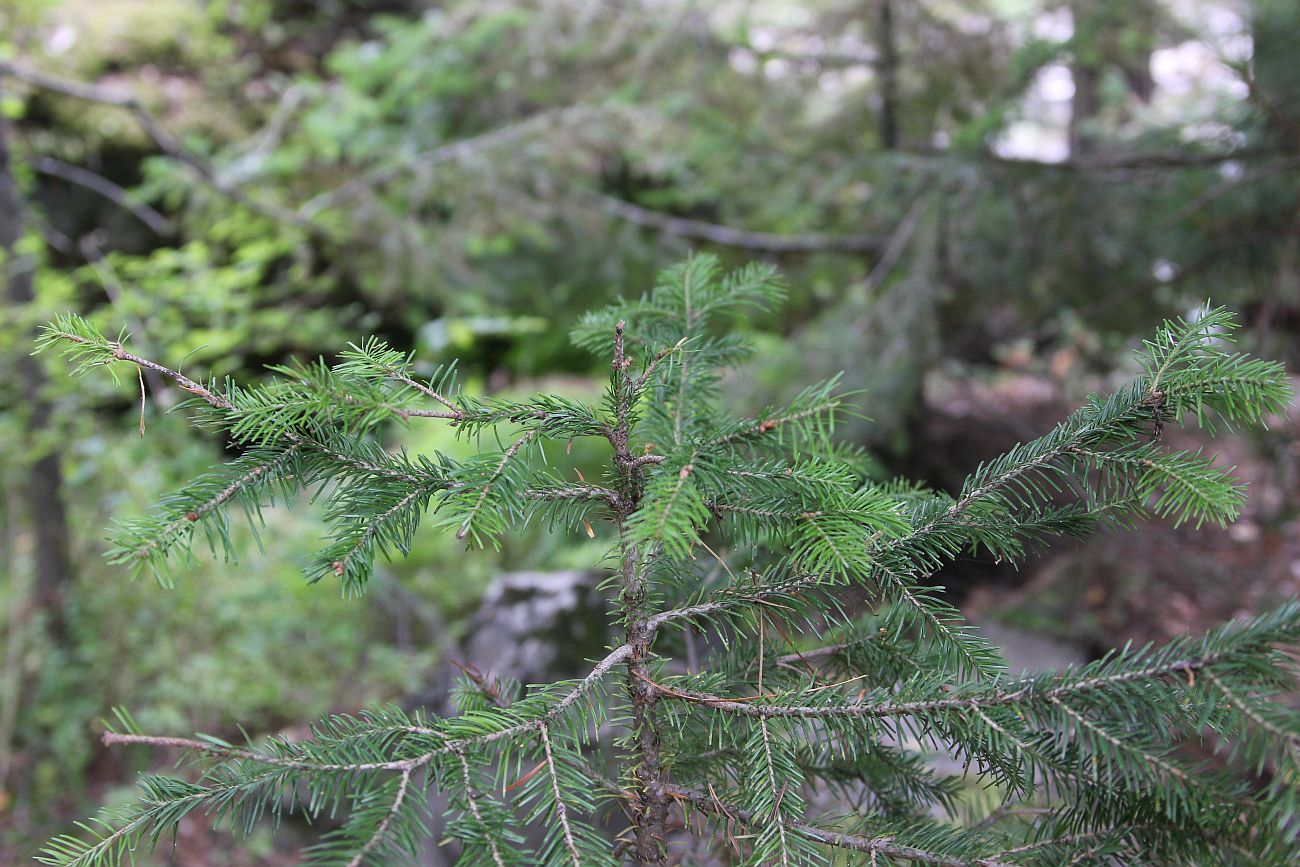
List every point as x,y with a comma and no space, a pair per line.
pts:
1086,766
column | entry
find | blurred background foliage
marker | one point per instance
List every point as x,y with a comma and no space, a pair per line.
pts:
978,206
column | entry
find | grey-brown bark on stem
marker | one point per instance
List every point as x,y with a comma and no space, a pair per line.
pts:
650,811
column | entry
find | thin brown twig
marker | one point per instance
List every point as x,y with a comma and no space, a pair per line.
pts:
139,374
485,685
120,353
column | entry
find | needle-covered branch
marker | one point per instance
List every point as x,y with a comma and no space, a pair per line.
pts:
313,425
799,594
885,847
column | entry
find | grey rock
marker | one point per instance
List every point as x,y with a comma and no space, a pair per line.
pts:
533,627
538,627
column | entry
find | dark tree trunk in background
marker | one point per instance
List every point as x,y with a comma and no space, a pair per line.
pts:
1086,68
1110,38
1084,107
44,473
887,70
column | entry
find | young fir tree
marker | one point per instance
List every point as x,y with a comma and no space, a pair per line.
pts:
752,532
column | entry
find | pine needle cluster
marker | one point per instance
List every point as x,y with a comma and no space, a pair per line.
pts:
744,694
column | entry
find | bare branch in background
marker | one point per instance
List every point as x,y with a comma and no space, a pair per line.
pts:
165,142
453,151
102,186
729,236
1219,190
897,243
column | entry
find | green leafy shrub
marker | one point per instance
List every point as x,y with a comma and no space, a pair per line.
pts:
744,680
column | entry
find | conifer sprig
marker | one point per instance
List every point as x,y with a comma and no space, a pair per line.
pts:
750,532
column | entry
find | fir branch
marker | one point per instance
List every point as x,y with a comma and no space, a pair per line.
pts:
637,386
1097,745
1289,737
373,529
146,542
453,412
768,424
94,349
884,846
671,509
446,746
1032,690
112,839
560,810
1055,841
1120,744
737,599
574,492
375,467
472,797
776,793
816,653
945,624
403,783
486,490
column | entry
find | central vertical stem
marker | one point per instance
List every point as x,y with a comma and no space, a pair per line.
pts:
650,812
